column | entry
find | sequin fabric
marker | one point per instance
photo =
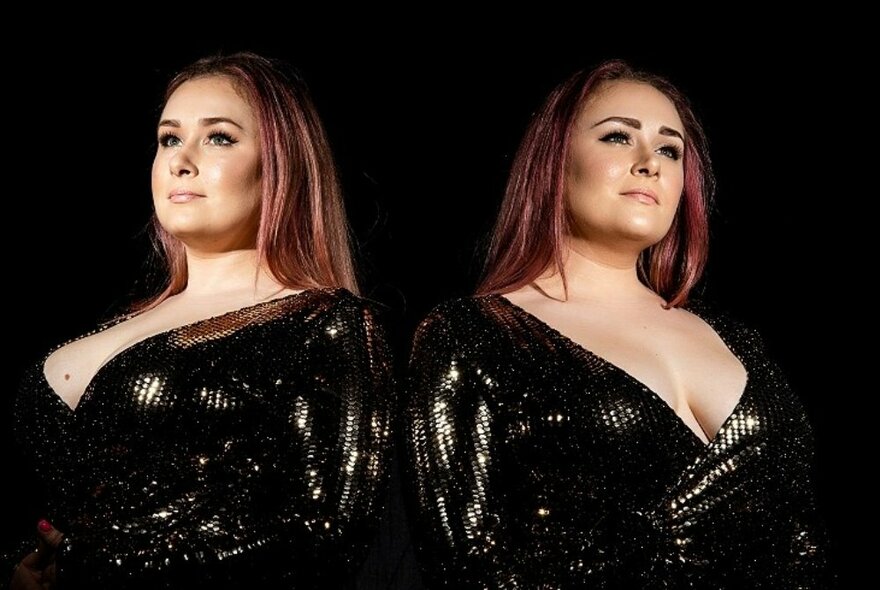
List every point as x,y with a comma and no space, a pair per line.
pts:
536,464
247,450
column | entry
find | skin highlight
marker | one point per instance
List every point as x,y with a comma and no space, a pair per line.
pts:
623,184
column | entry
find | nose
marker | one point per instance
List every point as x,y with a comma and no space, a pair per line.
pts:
182,162
646,164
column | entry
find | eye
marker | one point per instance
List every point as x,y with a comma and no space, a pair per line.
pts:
220,138
672,152
168,140
621,137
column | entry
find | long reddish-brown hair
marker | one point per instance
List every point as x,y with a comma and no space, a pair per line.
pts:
303,236
530,233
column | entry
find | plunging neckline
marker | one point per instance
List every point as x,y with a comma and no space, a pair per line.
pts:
142,342
582,350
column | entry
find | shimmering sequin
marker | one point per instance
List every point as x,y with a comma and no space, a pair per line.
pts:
247,450
536,464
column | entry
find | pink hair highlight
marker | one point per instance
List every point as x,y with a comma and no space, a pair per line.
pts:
534,199
303,236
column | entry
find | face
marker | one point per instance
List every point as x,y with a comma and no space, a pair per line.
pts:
625,172
206,174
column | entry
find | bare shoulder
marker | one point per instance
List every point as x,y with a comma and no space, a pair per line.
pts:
688,320
531,299
525,295
709,317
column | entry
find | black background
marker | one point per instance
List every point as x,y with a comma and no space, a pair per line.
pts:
424,134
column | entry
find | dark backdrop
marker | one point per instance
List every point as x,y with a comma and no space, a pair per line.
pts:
424,139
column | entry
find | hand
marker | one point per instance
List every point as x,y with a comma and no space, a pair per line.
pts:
36,571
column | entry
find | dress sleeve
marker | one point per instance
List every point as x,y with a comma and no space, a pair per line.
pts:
803,558
36,424
805,551
339,435
451,433
807,554
291,497
18,527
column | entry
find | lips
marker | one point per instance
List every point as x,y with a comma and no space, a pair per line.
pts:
643,195
183,196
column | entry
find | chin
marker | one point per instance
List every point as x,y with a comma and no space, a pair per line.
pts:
180,221
182,231
647,230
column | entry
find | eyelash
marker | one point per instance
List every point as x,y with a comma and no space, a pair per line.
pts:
228,139
676,152
165,138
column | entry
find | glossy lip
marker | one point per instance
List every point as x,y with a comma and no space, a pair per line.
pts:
643,192
182,195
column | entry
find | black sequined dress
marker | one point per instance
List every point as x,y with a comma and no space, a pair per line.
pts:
247,450
536,464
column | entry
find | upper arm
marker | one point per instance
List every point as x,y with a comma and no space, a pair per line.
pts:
452,432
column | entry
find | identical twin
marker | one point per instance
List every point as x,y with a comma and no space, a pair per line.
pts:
579,422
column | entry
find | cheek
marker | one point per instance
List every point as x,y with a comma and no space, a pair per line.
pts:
236,176
157,183
591,178
597,171
252,183
675,187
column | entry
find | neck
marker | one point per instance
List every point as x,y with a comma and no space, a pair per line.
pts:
233,272
599,275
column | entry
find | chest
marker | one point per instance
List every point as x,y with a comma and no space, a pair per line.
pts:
683,365
675,357
72,367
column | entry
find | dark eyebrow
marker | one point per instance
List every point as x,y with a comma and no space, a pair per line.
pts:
664,130
205,122
636,124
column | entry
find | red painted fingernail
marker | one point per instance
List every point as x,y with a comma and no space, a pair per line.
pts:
44,525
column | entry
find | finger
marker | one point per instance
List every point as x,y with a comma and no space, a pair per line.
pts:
31,560
50,537
23,578
49,575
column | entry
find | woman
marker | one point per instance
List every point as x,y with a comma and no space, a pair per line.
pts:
231,431
580,422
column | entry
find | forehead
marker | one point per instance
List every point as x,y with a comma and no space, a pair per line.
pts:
635,100
212,96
